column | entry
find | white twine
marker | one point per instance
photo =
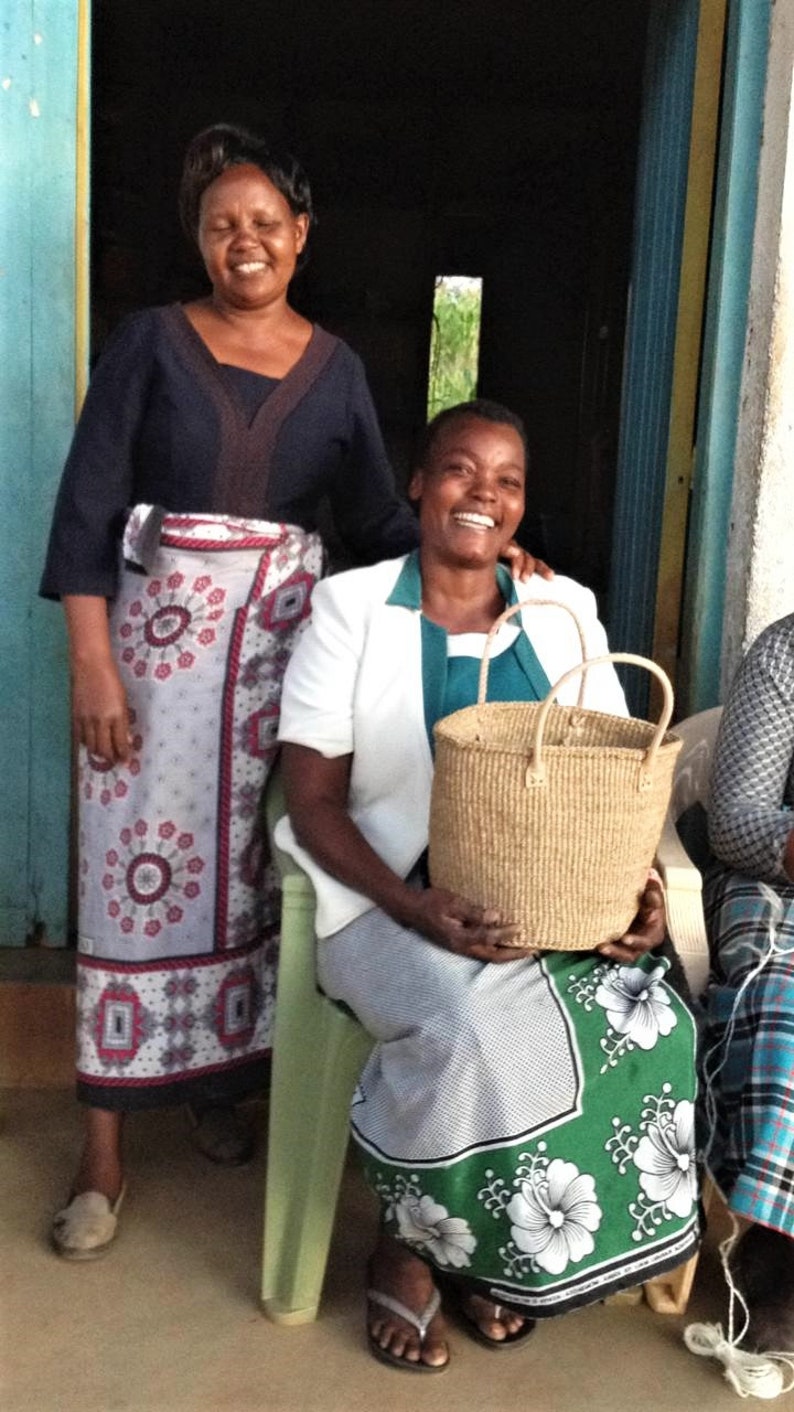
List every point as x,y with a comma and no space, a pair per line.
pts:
775,917
749,1374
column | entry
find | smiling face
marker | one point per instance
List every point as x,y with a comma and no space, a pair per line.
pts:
249,238
471,490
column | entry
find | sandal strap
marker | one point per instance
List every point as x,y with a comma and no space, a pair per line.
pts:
421,1322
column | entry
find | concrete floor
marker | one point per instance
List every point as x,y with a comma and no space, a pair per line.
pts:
168,1321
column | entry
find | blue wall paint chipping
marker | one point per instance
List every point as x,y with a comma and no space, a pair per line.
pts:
38,87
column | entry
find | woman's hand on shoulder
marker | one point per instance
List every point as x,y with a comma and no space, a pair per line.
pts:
461,926
100,714
646,931
523,565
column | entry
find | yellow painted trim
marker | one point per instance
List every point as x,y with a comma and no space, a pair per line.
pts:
691,310
82,203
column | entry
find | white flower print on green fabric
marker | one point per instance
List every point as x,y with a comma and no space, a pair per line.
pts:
663,1153
637,1004
665,1159
553,1215
584,988
422,1222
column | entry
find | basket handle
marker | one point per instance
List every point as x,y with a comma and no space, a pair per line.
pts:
482,686
536,773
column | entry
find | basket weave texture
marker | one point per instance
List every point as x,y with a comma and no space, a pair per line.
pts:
563,852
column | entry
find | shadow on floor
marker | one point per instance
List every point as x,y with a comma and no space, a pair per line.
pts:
168,1320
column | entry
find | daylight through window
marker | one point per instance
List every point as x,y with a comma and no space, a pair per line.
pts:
454,341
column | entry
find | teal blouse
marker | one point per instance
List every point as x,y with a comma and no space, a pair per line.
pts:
449,683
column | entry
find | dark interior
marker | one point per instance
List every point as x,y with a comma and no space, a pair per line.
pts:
494,139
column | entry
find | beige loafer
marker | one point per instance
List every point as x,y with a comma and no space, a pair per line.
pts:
87,1226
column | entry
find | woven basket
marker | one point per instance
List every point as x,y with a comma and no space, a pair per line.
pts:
551,814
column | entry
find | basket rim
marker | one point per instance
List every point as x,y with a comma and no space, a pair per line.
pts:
445,730
500,707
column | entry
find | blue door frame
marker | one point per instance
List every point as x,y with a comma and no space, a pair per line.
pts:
650,339
724,339
660,203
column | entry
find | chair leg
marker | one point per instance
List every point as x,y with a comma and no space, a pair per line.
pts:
318,1055
307,1147
669,1294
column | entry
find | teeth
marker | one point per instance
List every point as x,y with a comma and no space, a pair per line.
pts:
251,268
483,521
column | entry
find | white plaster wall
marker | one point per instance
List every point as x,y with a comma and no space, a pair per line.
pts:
760,574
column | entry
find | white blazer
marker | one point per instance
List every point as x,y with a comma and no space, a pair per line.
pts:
354,686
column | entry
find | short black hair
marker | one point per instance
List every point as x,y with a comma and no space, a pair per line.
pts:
224,145
482,408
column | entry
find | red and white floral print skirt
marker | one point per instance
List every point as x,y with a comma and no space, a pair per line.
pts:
178,903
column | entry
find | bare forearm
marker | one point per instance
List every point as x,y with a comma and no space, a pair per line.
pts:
317,794
99,702
333,839
88,627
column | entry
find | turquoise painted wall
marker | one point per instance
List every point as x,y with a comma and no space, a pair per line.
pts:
38,87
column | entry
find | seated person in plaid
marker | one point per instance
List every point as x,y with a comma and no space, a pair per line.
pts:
749,1049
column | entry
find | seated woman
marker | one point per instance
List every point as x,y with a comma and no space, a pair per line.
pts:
749,1048
526,1121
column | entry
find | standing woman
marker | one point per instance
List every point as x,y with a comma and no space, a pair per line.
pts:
184,550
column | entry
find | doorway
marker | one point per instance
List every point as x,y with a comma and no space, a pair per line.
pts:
494,140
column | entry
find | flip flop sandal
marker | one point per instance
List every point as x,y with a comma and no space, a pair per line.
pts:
87,1226
496,1345
421,1322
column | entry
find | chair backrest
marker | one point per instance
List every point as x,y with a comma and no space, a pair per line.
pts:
693,767
683,846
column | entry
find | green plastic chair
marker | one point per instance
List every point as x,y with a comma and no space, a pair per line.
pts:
319,1051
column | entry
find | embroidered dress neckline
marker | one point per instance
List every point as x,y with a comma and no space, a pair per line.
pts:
248,446
215,363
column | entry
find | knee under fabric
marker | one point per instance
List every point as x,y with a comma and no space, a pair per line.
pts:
760,1375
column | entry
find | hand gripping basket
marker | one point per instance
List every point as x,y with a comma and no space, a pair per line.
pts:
551,814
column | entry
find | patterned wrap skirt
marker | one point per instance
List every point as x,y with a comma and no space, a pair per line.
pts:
178,902
748,1047
528,1126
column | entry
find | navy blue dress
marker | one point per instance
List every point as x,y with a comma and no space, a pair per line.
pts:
185,1014
164,424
